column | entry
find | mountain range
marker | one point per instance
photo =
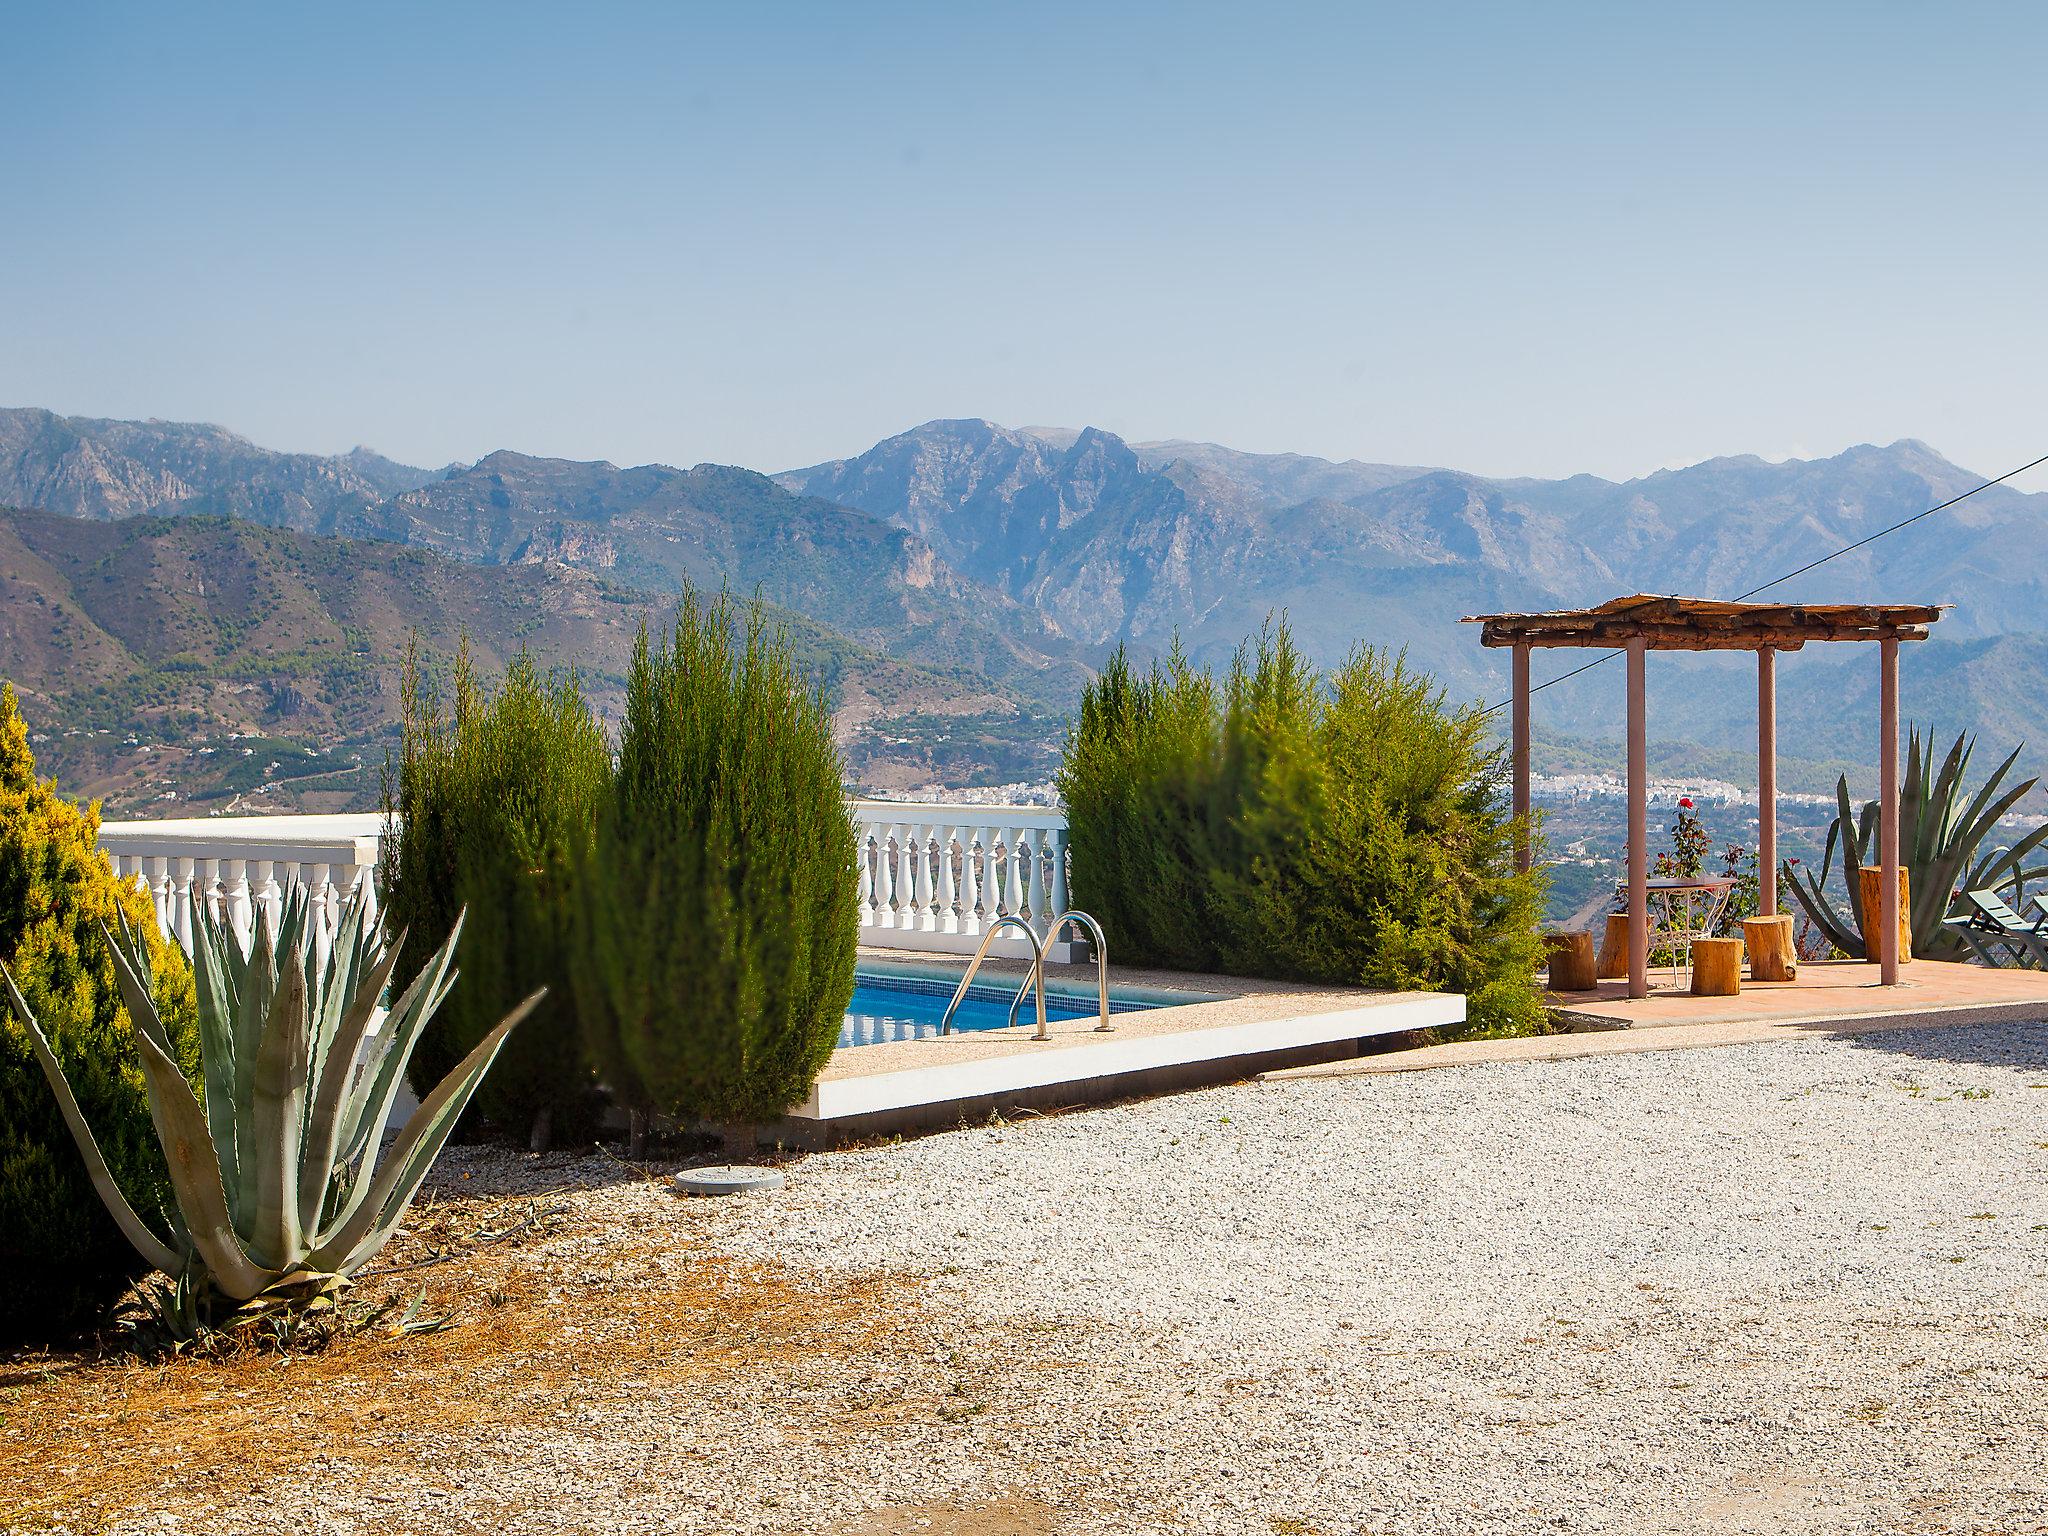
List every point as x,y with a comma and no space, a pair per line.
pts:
1009,560
216,661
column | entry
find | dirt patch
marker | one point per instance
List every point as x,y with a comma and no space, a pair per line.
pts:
545,1326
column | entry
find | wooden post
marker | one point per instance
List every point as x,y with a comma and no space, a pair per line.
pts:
1521,754
1873,899
1638,825
1888,816
1767,781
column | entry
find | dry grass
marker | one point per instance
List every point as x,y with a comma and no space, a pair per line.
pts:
545,1324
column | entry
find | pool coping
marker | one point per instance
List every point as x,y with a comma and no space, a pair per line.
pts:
1242,1026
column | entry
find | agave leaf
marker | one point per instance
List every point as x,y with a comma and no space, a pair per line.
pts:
219,1003
1854,840
137,981
1811,895
383,1067
329,1002
1914,828
1981,818
379,1208
189,1155
153,1249
257,999
1948,787
279,1096
324,1125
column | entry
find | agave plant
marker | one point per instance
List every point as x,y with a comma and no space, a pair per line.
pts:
1939,837
281,1194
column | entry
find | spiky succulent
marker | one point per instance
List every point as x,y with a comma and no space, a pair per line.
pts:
1940,833
279,1186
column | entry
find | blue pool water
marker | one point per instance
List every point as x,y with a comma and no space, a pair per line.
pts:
888,1007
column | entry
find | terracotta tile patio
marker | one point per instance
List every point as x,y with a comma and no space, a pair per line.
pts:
1842,989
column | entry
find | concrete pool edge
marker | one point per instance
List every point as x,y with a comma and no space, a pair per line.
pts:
1231,1028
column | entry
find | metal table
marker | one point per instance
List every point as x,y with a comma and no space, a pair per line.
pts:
1683,910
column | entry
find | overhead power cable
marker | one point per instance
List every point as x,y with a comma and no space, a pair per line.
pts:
1812,565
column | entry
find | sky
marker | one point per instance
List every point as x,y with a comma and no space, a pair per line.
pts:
1518,239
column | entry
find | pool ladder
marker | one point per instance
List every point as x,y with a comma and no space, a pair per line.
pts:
1041,949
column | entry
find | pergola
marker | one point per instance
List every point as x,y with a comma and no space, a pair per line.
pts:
1641,624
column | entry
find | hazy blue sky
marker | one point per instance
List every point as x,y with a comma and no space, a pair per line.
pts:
1520,239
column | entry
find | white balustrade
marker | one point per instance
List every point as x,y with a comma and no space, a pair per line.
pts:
938,883
928,877
239,865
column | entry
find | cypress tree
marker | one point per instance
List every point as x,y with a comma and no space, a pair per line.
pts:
482,814
717,914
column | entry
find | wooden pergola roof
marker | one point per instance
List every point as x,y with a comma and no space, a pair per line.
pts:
1700,624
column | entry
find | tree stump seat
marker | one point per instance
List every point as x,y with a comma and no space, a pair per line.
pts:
1571,962
1772,956
1613,961
1716,967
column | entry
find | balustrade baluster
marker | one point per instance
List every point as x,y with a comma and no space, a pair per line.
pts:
885,878
921,877
949,889
373,909
316,911
158,877
346,877
970,880
864,874
235,898
181,902
264,897
906,877
1056,859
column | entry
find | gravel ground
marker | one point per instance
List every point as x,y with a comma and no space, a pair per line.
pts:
1773,1288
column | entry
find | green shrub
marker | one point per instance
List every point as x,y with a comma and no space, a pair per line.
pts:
1349,829
482,812
717,922
62,1259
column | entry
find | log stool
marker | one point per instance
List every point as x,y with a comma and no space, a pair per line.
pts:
1614,947
1716,967
1571,961
1772,956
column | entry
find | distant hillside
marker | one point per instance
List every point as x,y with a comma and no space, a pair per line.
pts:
84,467
652,528
142,648
1010,560
1121,544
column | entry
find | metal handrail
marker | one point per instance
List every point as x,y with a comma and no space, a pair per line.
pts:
1037,973
959,992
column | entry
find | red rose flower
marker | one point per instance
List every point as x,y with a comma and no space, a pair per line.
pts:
1685,802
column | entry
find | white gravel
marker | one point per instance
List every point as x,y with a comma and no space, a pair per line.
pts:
1782,1288
1772,1287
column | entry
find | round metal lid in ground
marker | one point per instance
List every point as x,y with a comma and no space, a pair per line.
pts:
727,1179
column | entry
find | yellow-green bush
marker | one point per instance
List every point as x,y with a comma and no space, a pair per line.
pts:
1349,829
62,1260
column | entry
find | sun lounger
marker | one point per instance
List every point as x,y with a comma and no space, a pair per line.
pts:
1996,934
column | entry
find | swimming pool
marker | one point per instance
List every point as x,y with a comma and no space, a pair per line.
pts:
901,1005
